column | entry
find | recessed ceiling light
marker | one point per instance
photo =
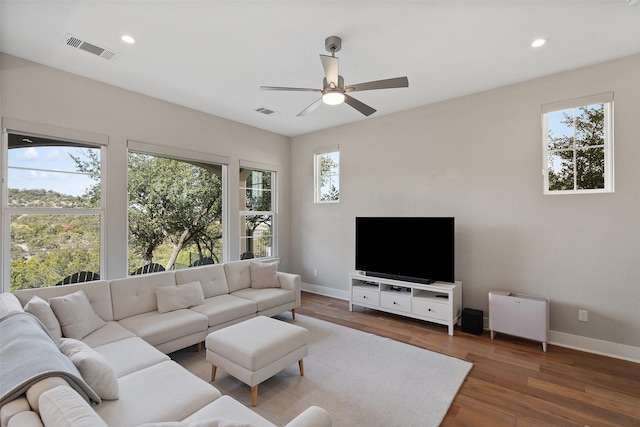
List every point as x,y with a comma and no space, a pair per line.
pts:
128,39
538,42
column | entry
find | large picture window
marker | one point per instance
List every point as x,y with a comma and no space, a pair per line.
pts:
257,195
175,212
53,210
578,145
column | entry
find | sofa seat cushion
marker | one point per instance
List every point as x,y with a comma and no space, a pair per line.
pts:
156,328
163,392
226,308
112,331
228,408
268,297
130,355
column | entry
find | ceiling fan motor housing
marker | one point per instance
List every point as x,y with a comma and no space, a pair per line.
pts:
333,44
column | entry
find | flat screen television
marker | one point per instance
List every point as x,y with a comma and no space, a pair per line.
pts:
413,249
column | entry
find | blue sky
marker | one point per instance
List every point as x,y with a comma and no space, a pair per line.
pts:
49,168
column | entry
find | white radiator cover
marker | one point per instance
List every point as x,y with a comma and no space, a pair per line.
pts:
522,315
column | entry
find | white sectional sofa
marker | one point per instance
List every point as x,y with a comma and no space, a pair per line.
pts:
130,325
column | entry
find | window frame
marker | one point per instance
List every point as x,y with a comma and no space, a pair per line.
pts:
317,173
607,100
189,156
63,135
243,213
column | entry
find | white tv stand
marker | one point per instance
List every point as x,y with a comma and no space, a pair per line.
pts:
439,302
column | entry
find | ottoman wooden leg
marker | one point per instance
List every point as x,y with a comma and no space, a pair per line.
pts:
301,366
293,313
254,395
213,372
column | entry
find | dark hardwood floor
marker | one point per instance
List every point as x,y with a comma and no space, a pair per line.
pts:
512,382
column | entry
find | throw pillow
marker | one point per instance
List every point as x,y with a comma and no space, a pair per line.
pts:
264,275
172,298
63,407
42,310
93,367
75,314
9,304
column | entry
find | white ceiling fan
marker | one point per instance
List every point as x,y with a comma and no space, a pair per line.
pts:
333,90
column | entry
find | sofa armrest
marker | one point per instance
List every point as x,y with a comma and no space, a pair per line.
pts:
313,416
292,282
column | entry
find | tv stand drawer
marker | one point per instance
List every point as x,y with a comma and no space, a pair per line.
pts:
395,302
424,307
365,296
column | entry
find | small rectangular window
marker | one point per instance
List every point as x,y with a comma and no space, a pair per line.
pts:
257,201
327,175
578,145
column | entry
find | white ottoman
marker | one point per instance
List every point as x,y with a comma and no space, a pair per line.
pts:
256,349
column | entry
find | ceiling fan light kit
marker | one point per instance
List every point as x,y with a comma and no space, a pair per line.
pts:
333,97
333,90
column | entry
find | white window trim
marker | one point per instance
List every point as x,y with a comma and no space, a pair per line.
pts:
316,172
602,98
61,134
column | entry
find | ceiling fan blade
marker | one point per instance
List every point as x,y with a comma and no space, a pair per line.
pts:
310,108
330,65
360,106
296,89
379,84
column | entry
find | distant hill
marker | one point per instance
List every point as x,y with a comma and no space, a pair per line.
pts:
45,199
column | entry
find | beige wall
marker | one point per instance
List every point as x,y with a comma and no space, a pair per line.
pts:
39,94
479,159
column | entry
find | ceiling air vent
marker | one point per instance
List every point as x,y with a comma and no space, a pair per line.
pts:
78,43
266,111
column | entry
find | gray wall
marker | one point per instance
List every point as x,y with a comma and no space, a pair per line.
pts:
39,94
479,159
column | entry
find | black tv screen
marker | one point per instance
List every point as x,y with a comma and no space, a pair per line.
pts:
414,249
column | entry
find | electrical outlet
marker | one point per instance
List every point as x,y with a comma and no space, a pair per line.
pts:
583,315
315,273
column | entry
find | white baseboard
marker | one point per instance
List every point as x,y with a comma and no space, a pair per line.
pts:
576,342
323,290
595,346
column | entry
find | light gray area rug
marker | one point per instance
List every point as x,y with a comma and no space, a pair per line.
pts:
360,378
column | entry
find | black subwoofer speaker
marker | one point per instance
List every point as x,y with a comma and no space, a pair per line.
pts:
472,321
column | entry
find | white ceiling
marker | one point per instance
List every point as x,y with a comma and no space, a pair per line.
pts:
213,56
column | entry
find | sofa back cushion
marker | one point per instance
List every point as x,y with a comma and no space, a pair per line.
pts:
137,294
211,277
97,292
238,275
